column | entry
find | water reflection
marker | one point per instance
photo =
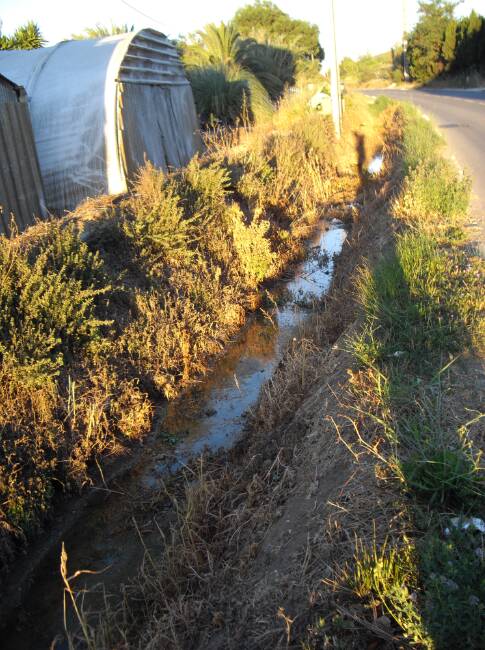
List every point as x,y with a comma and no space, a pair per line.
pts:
213,415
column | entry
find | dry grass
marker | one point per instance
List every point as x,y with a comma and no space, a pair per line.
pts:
125,302
210,586
303,537
289,384
205,590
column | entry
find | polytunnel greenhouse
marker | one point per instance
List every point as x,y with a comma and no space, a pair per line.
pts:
101,108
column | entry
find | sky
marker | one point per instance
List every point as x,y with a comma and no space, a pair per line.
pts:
363,26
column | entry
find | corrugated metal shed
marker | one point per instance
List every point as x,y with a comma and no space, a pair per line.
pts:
101,108
21,192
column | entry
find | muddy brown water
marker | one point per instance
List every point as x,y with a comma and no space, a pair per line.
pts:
103,538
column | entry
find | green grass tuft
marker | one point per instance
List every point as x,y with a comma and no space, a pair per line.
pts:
389,576
420,140
443,476
421,302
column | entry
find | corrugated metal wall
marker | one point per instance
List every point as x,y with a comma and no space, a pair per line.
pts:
21,192
164,136
157,120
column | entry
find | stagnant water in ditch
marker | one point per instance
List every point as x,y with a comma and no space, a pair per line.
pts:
103,538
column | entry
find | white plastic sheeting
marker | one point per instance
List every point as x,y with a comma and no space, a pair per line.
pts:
88,143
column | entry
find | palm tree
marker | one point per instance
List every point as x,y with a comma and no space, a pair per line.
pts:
26,37
213,45
214,59
101,31
216,95
273,65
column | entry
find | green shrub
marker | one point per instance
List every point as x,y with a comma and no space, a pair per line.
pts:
204,189
189,214
50,294
453,570
175,331
253,248
157,226
48,304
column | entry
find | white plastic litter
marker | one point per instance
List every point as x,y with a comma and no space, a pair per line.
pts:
375,166
321,101
464,524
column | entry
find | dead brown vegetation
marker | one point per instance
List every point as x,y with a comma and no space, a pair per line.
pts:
231,574
125,302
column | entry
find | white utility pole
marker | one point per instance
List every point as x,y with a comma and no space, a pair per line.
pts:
335,78
405,73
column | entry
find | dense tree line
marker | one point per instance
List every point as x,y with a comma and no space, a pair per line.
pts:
441,44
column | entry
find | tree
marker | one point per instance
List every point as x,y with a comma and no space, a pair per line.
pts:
473,39
426,40
101,31
217,96
273,66
250,61
470,48
367,68
264,21
26,37
222,46
349,69
449,45
214,45
218,67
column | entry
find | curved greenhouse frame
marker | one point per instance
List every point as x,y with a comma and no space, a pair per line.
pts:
101,108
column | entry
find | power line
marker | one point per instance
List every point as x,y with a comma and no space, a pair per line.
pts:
142,13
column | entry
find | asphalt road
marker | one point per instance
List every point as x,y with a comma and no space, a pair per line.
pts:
460,116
